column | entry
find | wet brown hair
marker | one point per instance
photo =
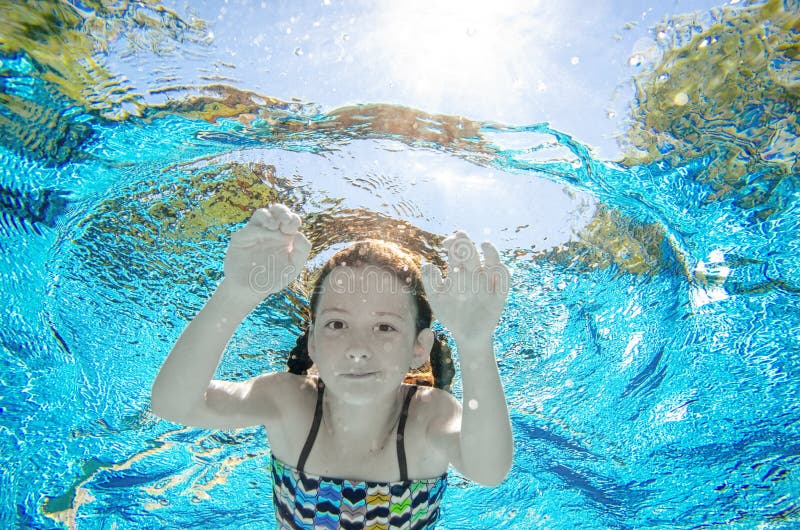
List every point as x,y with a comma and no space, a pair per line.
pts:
439,370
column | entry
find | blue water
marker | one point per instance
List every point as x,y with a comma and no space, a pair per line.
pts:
651,361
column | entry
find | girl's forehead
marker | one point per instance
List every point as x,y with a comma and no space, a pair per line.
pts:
348,287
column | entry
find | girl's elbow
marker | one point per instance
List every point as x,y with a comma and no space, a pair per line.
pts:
492,476
491,480
158,408
163,406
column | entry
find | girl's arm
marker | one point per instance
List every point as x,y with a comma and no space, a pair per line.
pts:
262,258
477,436
486,445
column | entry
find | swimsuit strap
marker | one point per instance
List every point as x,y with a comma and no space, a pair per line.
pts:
312,433
401,450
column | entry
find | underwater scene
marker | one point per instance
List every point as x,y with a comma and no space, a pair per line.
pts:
642,185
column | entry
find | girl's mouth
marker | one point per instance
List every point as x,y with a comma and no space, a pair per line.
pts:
358,375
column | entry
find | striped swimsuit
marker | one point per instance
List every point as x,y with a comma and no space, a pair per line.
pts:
306,501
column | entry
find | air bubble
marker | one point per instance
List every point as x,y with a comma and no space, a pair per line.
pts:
681,99
473,404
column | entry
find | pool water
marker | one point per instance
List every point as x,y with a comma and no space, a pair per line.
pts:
650,347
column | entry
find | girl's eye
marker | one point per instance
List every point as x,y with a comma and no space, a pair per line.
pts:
384,328
335,324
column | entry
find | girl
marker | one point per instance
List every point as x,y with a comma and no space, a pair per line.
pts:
352,445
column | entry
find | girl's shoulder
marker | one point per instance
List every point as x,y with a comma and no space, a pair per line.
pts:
284,385
438,418
289,393
436,405
292,397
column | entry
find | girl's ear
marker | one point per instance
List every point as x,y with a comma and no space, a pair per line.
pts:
422,347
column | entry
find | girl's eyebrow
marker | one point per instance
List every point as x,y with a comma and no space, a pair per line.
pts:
376,313
388,314
332,310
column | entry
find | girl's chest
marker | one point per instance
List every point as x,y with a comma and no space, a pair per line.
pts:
354,459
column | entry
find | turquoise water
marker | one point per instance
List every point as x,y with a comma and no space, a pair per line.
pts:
650,356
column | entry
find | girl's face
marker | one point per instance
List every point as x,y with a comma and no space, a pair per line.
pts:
363,338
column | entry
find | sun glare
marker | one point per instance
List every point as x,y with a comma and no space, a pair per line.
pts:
464,50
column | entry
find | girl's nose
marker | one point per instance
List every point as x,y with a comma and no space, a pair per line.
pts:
358,353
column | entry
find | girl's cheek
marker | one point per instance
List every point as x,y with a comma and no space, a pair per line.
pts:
334,334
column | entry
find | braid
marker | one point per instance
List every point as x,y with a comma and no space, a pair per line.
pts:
299,362
442,364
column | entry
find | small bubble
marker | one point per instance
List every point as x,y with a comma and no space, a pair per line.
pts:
636,60
345,36
473,404
298,51
575,60
611,114
681,99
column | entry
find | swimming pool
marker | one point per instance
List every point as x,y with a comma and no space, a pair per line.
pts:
650,344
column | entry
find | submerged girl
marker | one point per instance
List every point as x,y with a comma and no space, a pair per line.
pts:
353,445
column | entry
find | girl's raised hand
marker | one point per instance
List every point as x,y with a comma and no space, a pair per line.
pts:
470,300
267,254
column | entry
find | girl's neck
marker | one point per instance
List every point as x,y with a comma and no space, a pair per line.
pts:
366,424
